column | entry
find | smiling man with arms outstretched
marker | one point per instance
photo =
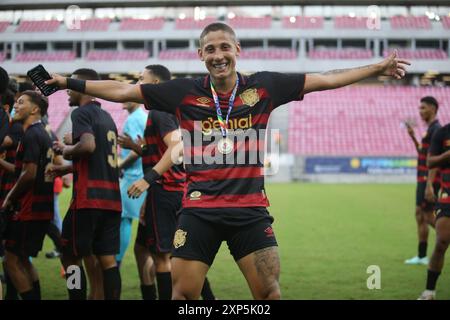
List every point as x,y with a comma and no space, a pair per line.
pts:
225,201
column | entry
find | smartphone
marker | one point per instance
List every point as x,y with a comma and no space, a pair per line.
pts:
39,75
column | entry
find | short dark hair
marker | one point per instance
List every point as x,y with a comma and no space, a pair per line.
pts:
216,26
38,99
430,100
159,71
87,74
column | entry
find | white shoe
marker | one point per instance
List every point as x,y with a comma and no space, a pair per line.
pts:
428,295
417,261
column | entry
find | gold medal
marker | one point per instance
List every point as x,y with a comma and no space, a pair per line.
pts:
225,146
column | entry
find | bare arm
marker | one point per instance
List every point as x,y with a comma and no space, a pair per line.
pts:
391,66
85,146
438,160
412,135
110,90
9,167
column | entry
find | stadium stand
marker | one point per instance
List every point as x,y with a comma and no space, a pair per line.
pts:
111,55
93,25
191,23
2,56
4,25
346,53
38,26
247,53
432,54
300,22
359,120
61,55
410,22
446,22
130,24
346,22
250,22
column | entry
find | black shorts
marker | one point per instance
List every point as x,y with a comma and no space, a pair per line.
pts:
25,238
161,209
420,196
91,231
200,232
439,213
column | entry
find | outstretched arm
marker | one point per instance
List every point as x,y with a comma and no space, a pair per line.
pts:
434,161
110,90
391,66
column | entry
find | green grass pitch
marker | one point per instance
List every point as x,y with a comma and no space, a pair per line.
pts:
328,236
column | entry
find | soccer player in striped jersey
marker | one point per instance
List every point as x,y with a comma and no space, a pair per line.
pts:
31,196
439,157
92,224
224,116
427,179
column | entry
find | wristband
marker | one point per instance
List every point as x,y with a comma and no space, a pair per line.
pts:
151,176
76,85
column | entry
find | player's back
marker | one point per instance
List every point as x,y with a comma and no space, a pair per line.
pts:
96,177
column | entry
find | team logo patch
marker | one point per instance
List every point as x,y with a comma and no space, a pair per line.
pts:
195,195
269,232
179,239
203,101
250,97
447,143
444,195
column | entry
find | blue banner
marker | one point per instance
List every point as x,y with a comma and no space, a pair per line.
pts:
360,165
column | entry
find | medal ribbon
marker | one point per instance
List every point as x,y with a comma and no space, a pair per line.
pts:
224,124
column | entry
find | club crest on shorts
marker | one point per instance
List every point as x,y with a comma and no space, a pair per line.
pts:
179,239
250,97
195,195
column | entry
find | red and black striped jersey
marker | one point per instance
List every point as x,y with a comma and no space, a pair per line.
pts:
234,179
159,124
36,147
422,169
8,179
96,177
440,143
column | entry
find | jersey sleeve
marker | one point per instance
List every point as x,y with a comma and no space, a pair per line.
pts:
436,145
31,148
281,87
166,96
81,123
164,123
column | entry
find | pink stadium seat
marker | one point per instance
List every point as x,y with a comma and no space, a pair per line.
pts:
359,120
111,55
38,26
2,56
249,53
45,56
446,22
95,24
410,22
250,22
191,23
300,22
347,22
141,24
4,25
347,53
433,54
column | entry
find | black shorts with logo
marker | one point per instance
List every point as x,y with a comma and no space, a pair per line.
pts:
200,232
442,212
25,238
420,196
161,210
91,231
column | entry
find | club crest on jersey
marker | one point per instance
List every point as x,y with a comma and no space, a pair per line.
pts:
179,239
203,101
447,143
195,195
250,97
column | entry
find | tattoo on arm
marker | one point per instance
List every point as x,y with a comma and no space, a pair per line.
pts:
344,70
